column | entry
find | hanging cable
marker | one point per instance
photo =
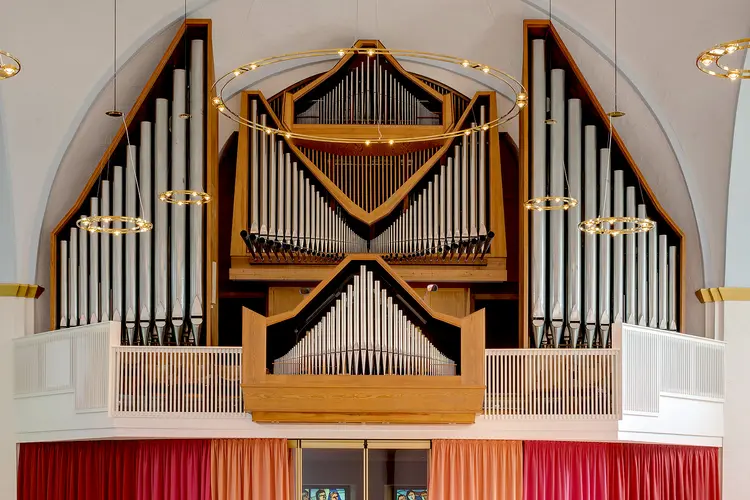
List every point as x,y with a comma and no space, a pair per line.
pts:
114,112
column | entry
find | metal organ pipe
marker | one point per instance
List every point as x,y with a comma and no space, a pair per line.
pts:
161,269
642,272
653,277
574,267
197,167
130,257
557,186
482,175
631,305
117,208
663,283
64,264
538,188
617,255
590,212
605,200
672,320
73,274
105,256
94,274
144,179
83,279
179,174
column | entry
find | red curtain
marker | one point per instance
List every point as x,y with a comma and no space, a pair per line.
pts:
115,470
615,471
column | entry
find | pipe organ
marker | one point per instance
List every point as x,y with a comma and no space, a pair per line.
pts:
383,354
582,283
152,282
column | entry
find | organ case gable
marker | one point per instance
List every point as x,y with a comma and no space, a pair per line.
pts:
394,383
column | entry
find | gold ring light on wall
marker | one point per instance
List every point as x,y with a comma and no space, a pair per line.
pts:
10,66
520,101
710,61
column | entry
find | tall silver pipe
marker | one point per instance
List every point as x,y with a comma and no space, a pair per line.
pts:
605,201
83,278
574,218
105,257
117,209
264,179
288,199
161,229
672,319
255,201
472,143
642,272
197,169
64,265
538,188
556,222
482,175
130,257
617,256
448,202
663,283
281,193
443,206
296,181
73,274
272,167
179,228
144,249
630,257
456,192
653,277
94,268
465,188
590,211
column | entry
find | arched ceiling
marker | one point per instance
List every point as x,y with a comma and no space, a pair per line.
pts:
679,123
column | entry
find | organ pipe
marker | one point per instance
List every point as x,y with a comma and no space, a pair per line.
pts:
130,257
630,268
197,168
83,278
605,200
64,313
663,283
653,277
590,211
672,288
161,229
574,267
105,256
538,188
557,186
73,275
617,250
145,239
94,274
117,263
642,272
178,182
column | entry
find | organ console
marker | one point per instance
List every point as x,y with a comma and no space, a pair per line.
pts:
581,284
151,282
363,347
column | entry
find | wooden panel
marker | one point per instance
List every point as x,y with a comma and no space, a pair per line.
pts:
472,349
360,418
253,347
497,213
283,298
212,209
451,301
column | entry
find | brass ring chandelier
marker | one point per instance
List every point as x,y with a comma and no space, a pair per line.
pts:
710,61
550,203
521,96
184,197
606,225
101,224
10,66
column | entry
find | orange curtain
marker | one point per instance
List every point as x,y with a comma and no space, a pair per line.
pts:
476,470
251,469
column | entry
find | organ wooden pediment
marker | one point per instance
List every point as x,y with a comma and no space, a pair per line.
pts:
363,347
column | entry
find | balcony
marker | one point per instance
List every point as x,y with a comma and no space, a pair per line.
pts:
654,386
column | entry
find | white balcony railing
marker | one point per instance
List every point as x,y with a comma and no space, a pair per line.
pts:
177,381
656,362
552,384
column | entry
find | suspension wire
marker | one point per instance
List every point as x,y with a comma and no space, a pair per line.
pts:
132,162
615,76
114,58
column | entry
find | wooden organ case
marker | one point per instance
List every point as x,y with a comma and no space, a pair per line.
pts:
363,347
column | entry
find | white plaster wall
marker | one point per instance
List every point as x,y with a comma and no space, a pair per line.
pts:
738,222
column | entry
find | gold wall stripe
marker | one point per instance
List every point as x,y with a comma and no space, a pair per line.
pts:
723,294
20,290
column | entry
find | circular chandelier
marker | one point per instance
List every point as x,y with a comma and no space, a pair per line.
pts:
606,225
10,66
185,197
550,203
521,96
101,224
710,61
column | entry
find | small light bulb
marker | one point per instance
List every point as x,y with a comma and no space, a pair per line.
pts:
9,70
253,66
341,53
486,69
712,73
198,203
521,104
236,72
180,203
465,64
731,48
367,142
288,135
557,200
390,142
222,108
207,198
268,131
717,51
216,101
706,61
117,233
467,132
370,52
522,96
733,75
485,127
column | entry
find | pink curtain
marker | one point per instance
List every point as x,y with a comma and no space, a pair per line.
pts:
619,471
464,469
251,469
174,470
